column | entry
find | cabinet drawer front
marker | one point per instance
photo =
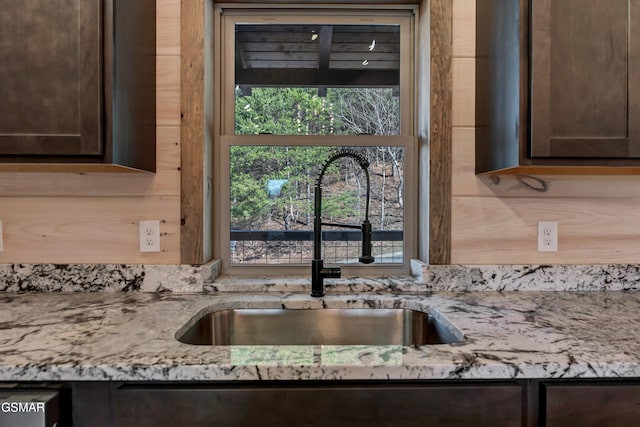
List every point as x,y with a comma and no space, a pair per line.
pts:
320,405
597,405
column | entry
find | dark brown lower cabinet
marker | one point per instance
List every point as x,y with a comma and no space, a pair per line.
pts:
306,405
463,403
591,404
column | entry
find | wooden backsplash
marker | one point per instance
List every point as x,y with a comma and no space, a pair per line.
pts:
92,218
494,219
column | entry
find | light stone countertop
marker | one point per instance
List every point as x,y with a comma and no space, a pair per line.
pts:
131,336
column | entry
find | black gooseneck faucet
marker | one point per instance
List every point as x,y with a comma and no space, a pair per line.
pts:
318,271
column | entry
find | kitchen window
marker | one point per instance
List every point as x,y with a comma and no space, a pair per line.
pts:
294,86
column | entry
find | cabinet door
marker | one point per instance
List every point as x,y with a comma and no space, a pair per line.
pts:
594,405
50,77
319,405
585,77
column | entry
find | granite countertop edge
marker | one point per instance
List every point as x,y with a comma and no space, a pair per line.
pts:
131,337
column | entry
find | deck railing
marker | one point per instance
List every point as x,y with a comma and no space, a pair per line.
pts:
296,246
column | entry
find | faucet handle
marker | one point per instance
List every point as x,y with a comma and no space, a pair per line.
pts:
331,272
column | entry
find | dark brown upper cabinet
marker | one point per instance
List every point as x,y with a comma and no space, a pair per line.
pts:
78,85
558,86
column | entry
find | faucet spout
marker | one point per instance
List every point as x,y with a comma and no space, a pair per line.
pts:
318,271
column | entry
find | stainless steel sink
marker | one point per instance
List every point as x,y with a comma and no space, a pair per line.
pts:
348,326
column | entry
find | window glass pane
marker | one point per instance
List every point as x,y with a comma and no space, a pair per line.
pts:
317,79
272,191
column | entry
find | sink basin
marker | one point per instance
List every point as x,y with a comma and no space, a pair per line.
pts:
350,326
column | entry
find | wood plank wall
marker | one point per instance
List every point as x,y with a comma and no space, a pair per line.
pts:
494,219
93,218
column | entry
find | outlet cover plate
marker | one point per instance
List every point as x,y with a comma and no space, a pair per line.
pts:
149,236
547,236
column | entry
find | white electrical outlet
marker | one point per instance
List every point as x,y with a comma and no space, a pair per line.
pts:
149,236
1,236
547,236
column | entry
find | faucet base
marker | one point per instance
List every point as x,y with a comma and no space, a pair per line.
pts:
319,273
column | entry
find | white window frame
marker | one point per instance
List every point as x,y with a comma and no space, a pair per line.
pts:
226,16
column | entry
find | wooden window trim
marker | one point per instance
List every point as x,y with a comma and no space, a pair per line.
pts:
196,132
